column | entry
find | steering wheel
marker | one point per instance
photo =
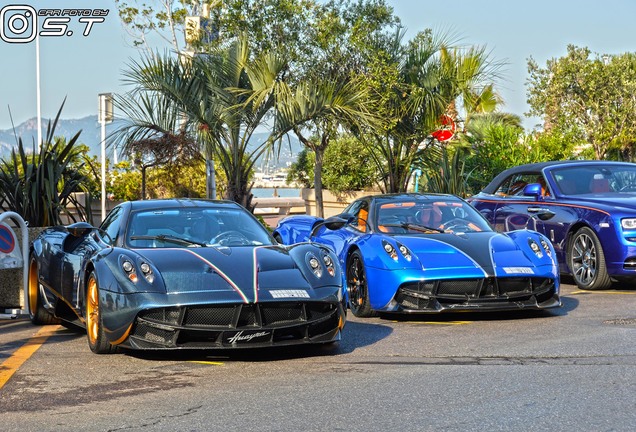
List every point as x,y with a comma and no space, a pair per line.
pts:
456,225
228,238
628,188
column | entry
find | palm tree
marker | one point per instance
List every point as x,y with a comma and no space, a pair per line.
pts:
468,73
213,94
411,101
431,78
314,110
152,132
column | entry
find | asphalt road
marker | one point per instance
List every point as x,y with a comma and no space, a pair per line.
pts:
565,370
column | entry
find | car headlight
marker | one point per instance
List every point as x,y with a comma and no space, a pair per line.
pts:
535,248
326,259
546,247
406,253
390,250
131,271
629,223
146,270
314,264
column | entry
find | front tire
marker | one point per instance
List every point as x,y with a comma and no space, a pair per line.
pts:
587,261
38,314
357,287
94,328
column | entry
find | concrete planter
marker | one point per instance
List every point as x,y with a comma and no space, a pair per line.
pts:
332,204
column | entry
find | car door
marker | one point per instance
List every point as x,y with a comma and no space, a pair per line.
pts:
340,239
77,251
508,209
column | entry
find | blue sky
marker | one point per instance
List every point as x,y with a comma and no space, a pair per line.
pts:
80,67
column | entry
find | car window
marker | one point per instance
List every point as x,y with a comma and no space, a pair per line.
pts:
359,209
448,215
219,226
111,225
595,179
514,184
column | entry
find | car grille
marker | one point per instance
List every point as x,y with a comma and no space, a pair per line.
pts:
219,326
417,296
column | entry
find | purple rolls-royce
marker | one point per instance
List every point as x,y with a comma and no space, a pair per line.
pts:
586,208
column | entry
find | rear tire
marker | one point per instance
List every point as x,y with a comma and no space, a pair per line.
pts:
94,327
38,314
587,261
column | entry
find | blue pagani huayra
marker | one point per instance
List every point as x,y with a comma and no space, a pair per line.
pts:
184,274
422,253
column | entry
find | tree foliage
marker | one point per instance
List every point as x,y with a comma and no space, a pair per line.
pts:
164,19
497,142
325,93
221,98
41,185
347,167
152,132
592,98
415,83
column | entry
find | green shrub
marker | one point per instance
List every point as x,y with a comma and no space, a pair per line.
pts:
40,185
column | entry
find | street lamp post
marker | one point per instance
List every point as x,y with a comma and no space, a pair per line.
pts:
200,29
38,96
105,116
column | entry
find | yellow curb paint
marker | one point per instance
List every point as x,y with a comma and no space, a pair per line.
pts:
22,354
207,363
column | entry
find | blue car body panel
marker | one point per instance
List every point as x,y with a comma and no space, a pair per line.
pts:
435,257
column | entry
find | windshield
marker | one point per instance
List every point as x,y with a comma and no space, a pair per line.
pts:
590,179
199,227
440,216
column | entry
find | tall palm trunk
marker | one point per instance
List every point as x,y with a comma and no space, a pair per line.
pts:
319,152
320,156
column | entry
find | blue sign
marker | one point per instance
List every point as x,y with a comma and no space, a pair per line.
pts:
7,241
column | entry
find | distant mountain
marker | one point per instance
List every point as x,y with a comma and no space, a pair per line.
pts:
91,136
89,127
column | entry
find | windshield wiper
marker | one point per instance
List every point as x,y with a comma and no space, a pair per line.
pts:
415,227
169,239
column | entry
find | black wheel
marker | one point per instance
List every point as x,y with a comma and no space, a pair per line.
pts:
94,328
357,287
37,312
587,262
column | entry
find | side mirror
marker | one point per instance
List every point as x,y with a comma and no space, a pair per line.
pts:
80,229
333,223
532,190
